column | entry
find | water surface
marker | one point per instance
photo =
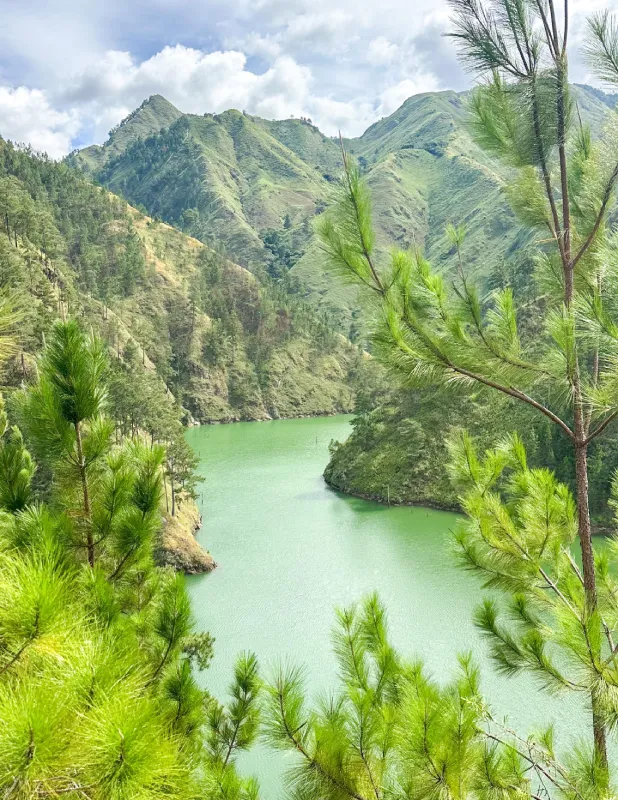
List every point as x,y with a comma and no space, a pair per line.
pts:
289,550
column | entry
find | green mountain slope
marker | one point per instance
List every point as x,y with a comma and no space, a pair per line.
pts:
153,115
220,342
223,177
246,181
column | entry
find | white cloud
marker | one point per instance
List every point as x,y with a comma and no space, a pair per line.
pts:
257,45
334,116
196,82
27,117
319,28
381,51
394,96
343,63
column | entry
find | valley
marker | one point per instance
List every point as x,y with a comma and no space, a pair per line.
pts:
367,383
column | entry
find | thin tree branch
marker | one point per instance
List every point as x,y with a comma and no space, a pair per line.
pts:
366,253
313,763
597,431
606,198
548,34
519,395
508,390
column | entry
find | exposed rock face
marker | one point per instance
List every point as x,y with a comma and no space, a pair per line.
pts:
178,547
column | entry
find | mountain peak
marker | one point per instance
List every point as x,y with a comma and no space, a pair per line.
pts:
157,102
154,114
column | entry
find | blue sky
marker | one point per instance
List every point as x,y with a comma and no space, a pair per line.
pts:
71,69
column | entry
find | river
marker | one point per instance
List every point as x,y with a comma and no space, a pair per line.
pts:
289,550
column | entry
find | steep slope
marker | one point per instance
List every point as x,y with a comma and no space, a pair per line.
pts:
245,181
234,349
307,141
218,176
425,171
153,115
227,346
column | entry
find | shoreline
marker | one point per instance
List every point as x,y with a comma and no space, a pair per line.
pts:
178,546
234,420
381,500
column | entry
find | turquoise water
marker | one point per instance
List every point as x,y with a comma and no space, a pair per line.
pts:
289,550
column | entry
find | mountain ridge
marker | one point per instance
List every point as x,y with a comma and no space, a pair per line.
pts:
257,185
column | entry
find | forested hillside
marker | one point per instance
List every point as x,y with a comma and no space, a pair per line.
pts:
264,184
397,452
223,344
258,185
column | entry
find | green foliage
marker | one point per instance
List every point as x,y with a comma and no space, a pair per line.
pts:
397,451
46,207
16,468
234,728
389,730
98,695
281,244
178,316
519,534
561,364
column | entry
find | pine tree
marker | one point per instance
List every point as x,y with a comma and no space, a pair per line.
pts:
97,646
389,730
562,187
62,415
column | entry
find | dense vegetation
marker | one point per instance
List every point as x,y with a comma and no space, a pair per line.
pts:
99,649
225,344
563,368
70,247
98,694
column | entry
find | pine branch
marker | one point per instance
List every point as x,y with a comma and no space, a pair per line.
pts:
353,198
557,232
507,390
548,33
600,216
517,394
364,758
607,421
312,762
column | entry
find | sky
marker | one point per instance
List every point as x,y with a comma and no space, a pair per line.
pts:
72,69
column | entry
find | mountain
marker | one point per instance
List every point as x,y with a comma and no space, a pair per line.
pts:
233,175
154,115
223,344
256,185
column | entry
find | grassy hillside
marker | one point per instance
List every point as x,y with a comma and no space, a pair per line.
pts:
221,343
249,182
218,176
230,347
153,115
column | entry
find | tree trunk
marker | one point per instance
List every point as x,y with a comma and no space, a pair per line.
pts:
167,502
588,569
85,492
